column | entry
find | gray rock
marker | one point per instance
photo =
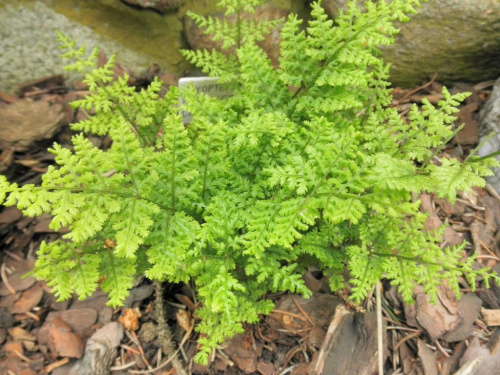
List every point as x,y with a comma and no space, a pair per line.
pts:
490,122
138,294
159,5
100,351
458,39
137,38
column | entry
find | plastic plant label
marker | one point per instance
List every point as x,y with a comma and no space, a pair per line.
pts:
206,85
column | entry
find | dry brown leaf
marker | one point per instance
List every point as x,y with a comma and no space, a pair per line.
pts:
130,319
288,320
184,319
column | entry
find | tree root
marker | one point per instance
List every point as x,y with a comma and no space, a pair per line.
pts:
164,332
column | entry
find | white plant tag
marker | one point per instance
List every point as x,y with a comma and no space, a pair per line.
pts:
208,86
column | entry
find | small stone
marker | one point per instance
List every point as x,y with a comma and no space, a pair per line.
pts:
63,342
100,351
6,319
105,316
138,294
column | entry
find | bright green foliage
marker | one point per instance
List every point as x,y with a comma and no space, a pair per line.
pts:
305,164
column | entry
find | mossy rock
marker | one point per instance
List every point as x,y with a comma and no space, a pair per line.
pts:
458,39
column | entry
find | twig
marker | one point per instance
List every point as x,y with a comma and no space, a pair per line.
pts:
35,317
380,339
224,358
297,316
174,355
13,256
479,218
403,329
130,349
122,367
488,250
3,275
48,369
483,256
141,350
490,189
471,205
441,349
414,91
158,357
406,338
340,312
303,312
23,357
483,85
287,370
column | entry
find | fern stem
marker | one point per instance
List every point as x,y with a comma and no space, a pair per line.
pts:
164,332
132,123
113,270
415,260
492,155
205,171
94,191
238,25
173,171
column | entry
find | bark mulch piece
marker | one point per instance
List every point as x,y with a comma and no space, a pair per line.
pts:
63,341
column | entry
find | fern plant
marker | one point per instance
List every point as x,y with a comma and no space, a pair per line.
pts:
305,164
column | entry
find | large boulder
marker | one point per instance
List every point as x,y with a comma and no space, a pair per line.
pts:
137,37
158,5
490,123
458,39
